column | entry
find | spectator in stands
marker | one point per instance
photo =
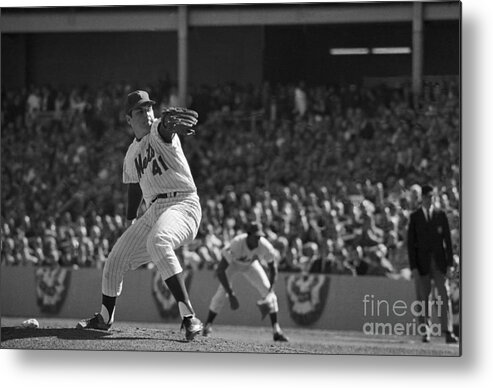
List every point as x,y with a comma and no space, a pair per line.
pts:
378,263
9,252
33,103
37,245
300,100
101,246
213,244
347,140
68,246
26,256
51,251
370,235
356,260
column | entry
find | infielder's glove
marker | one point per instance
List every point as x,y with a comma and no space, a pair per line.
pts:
267,304
179,120
264,308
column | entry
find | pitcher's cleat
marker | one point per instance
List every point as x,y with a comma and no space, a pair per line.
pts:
280,337
193,326
97,322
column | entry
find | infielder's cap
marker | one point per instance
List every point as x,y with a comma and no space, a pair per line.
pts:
136,99
255,229
426,189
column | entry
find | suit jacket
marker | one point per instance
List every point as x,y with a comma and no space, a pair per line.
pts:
427,239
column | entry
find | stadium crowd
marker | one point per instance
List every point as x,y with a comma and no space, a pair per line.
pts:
330,171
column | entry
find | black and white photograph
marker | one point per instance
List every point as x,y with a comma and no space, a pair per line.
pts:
232,178
236,179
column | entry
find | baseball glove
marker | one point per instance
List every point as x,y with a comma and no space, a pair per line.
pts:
264,308
267,305
179,120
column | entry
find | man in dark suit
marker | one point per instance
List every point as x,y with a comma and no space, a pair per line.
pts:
430,257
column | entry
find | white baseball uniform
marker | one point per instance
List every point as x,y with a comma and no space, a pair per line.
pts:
159,168
245,261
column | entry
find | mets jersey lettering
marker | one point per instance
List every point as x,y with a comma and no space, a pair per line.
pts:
238,251
157,166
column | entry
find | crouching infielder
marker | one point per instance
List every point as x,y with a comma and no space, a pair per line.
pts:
242,257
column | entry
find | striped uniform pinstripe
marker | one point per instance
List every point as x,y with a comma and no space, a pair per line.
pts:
157,166
168,223
245,262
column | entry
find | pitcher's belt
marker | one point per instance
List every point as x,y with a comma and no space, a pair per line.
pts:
172,194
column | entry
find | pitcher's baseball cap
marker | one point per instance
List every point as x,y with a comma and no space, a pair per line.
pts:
255,229
136,99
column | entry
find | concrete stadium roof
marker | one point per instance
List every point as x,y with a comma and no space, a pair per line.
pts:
165,18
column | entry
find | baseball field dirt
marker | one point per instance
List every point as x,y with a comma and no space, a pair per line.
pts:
131,336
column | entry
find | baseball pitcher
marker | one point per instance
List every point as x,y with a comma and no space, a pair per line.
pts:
156,171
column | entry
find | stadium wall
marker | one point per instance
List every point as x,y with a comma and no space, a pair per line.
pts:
311,301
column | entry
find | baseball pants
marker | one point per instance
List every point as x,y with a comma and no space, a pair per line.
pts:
166,225
255,275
